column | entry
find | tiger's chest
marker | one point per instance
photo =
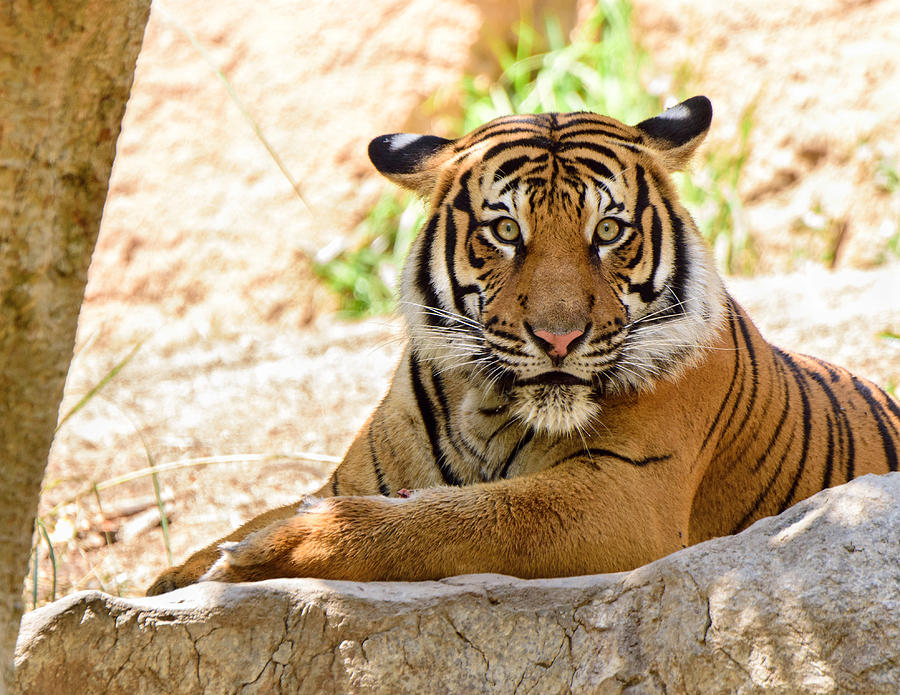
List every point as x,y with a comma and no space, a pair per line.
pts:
491,443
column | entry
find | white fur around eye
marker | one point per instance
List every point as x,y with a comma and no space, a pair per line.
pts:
507,249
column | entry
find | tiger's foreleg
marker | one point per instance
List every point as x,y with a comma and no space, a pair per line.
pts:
356,474
197,564
564,521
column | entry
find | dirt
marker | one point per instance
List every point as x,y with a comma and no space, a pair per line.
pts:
205,250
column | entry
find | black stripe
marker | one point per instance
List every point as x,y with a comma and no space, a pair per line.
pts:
782,418
829,455
637,254
503,129
833,373
510,185
613,206
877,410
512,351
334,484
512,166
840,420
377,466
851,448
426,411
536,141
594,131
521,444
590,453
762,410
452,436
678,283
506,336
594,147
646,289
505,426
892,405
807,426
769,449
762,494
462,200
734,376
599,168
458,291
423,270
754,385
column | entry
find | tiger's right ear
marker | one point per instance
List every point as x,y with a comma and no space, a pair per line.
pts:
411,161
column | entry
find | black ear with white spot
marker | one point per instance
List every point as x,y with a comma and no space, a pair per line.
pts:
677,132
409,160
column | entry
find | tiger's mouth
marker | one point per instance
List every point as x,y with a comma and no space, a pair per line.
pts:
554,378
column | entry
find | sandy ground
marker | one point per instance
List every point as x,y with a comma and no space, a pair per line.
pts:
203,257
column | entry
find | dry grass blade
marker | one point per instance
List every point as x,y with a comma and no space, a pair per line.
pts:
188,463
109,376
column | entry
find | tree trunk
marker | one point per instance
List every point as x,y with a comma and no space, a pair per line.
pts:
66,69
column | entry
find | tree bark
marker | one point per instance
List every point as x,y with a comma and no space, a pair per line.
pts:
66,69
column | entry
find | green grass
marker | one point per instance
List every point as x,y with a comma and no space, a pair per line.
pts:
366,277
709,189
887,178
887,173
603,69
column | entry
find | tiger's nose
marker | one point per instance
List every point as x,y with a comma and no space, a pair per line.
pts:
557,344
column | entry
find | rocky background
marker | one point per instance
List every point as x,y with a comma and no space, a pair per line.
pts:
204,260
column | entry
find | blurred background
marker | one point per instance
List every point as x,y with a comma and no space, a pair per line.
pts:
236,328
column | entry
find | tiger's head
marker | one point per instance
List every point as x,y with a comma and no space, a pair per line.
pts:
557,264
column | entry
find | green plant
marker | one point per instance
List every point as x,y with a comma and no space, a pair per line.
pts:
366,277
887,174
887,178
709,189
601,69
893,245
40,524
42,529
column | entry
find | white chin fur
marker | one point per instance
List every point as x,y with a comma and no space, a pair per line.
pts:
555,410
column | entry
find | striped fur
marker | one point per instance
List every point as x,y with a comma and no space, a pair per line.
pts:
579,393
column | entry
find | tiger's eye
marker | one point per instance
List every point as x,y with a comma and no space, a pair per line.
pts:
506,229
608,230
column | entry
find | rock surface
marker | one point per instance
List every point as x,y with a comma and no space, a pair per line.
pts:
806,602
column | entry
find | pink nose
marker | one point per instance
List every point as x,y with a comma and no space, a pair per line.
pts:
559,341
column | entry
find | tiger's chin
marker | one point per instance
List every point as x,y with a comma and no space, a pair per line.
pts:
556,410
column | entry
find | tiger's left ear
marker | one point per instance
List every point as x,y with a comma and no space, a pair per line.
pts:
411,161
677,132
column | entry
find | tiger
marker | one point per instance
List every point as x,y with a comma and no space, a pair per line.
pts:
578,393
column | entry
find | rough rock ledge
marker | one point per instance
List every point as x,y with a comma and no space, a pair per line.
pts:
805,602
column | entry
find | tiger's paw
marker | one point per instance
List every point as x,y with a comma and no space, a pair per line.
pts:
239,562
171,579
164,583
275,551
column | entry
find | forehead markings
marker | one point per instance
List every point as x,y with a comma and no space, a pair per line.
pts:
568,175
563,143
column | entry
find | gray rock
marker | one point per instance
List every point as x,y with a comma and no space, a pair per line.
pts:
806,602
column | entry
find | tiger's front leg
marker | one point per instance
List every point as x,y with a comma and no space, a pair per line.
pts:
199,562
581,517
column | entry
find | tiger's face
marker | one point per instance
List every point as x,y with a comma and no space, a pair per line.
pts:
557,265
